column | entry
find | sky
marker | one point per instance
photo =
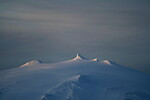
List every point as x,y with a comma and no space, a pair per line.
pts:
55,30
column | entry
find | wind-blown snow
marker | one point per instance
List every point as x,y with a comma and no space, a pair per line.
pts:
75,79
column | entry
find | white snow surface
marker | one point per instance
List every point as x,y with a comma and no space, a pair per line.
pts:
75,79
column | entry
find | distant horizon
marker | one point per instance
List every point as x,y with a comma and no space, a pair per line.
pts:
75,57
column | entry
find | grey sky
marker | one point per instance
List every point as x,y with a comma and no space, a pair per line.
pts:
55,30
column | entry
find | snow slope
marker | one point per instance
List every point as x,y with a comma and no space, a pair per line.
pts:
75,79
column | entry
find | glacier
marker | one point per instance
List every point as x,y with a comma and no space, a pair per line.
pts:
75,79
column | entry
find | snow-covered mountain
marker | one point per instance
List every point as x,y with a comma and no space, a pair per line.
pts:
75,79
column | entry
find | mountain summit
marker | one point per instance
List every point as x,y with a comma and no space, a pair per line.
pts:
78,57
75,79
31,63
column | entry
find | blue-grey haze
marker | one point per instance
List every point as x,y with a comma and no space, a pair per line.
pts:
55,30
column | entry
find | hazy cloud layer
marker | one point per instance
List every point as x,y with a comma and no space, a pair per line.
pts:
55,30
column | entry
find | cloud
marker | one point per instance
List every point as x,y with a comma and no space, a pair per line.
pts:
51,28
